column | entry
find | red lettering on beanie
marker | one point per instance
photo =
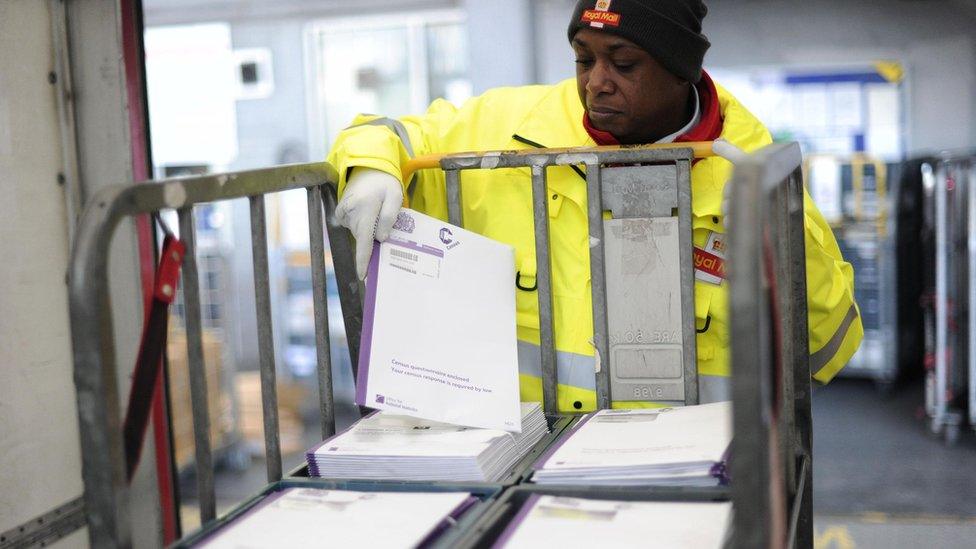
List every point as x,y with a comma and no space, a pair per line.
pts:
605,17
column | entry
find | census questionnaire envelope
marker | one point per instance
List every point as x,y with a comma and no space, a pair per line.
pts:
439,332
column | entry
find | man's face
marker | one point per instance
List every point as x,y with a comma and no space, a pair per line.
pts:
626,91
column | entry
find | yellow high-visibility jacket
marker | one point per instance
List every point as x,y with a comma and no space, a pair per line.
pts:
498,204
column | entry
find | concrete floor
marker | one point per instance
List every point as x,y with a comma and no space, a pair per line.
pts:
880,478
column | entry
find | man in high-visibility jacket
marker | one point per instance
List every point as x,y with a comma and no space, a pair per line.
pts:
638,80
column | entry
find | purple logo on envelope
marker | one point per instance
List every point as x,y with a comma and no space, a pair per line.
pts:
380,398
333,449
404,223
446,235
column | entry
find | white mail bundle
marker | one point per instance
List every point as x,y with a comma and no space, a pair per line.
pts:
439,340
685,446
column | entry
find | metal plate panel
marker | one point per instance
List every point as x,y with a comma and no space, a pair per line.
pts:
644,305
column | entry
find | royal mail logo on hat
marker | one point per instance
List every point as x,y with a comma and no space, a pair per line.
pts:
601,15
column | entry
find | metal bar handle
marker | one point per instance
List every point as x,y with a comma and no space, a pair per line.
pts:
198,371
598,285
547,341
320,305
262,301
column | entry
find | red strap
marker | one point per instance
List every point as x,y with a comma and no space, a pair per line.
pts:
151,348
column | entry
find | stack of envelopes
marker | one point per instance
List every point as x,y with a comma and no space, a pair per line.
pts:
298,517
685,446
395,447
553,521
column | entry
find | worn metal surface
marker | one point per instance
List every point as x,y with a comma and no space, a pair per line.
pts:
350,288
640,191
687,263
198,372
452,180
547,339
45,529
751,350
767,281
971,264
262,303
801,396
644,297
323,354
598,284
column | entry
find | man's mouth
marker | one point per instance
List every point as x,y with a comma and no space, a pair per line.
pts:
600,114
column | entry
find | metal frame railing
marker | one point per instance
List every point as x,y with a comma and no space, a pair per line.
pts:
769,343
756,420
103,462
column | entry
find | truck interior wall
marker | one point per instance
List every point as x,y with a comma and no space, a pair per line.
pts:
39,456
933,39
105,151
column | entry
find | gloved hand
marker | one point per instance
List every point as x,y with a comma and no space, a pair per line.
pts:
733,154
368,209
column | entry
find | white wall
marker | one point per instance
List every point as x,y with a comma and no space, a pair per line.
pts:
499,34
40,464
934,39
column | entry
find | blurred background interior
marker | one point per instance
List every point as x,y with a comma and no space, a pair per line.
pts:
875,91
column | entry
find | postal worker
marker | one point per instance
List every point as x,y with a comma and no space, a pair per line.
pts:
639,80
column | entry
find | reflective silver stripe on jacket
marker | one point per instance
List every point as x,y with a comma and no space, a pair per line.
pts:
572,369
400,130
714,388
820,358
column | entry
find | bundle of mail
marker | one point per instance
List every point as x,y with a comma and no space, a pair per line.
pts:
395,447
686,446
298,517
554,521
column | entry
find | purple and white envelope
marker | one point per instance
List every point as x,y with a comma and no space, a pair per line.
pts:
439,333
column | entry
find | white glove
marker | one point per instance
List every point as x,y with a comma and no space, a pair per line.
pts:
368,209
733,154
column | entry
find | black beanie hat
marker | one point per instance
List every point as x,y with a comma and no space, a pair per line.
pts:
670,30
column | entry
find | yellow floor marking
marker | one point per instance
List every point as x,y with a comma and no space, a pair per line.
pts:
834,537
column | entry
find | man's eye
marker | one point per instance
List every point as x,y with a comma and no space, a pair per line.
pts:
584,62
624,67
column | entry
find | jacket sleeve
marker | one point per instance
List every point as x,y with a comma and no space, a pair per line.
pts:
833,316
385,144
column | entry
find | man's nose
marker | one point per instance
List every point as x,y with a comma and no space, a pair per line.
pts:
600,81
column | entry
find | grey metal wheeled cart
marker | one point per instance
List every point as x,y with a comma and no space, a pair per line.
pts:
771,384
950,318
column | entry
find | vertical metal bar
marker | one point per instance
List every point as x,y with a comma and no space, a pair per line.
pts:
750,348
323,353
598,284
348,283
198,371
971,285
547,341
689,338
453,182
262,297
781,216
103,467
802,391
941,297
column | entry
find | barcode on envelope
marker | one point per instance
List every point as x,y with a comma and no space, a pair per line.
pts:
401,254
